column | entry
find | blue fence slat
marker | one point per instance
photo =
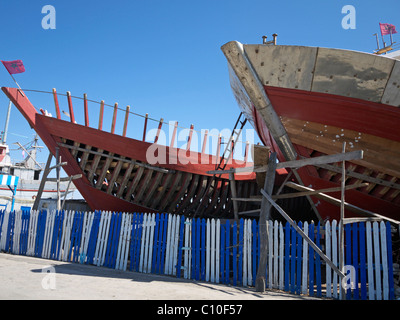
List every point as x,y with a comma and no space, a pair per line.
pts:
240,241
234,251
254,251
347,230
203,249
287,255
198,234
222,252
390,260
355,259
156,245
363,267
299,259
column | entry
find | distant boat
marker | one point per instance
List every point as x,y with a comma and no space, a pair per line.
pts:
29,173
306,101
117,176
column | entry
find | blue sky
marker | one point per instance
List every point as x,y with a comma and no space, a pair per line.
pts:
161,57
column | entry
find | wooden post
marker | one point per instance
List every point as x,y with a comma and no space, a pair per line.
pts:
232,184
158,130
265,214
203,149
56,103
101,115
189,137
58,178
71,109
114,119
174,135
85,106
341,228
145,126
42,182
126,121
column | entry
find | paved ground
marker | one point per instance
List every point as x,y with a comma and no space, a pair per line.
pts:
24,277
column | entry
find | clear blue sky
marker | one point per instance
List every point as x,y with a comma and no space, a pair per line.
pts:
162,57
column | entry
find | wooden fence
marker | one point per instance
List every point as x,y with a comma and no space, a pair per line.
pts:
219,251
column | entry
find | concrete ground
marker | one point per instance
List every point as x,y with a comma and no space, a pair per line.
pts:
23,277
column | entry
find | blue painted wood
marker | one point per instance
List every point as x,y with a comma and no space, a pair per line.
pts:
355,259
318,263
180,251
254,250
203,249
132,248
311,261
10,232
93,237
160,243
299,259
235,253
227,250
293,260
390,260
156,246
240,241
139,241
198,234
164,244
107,260
40,233
347,230
287,256
363,267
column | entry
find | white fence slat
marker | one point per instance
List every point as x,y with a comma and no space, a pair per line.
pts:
275,255
281,256
175,245
371,286
168,244
328,254
187,251
270,252
384,256
249,247
304,285
377,261
335,258
96,258
244,269
105,238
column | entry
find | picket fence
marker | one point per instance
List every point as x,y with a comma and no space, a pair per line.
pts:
208,250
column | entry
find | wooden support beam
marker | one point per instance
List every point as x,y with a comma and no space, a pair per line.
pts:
265,215
189,141
171,145
146,117
158,130
353,155
302,234
337,202
232,184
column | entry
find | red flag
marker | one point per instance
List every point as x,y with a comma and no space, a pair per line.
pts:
387,28
15,66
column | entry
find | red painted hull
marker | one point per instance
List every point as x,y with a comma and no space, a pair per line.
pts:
116,172
312,100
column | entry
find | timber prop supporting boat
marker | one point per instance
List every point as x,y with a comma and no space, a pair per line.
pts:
306,101
116,172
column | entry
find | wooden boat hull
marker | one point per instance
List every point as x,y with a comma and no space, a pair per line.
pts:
117,176
311,100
